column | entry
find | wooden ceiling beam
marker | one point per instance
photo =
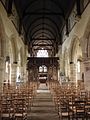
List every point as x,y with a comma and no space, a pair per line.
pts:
42,45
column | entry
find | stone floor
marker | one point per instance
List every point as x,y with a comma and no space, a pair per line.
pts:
43,106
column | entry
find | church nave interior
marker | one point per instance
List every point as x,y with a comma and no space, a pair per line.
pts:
44,59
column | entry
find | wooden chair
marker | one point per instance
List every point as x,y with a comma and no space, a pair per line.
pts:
79,109
64,111
87,108
20,109
7,110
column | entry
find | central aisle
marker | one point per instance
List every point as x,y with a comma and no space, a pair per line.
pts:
43,106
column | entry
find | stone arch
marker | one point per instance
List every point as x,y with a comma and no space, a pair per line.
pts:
87,29
2,52
75,55
86,54
86,41
74,47
2,38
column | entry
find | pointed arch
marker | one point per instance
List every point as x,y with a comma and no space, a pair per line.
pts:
73,46
86,41
2,38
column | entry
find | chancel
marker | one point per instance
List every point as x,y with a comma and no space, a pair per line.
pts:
44,59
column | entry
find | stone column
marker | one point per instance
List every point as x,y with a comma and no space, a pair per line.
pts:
87,74
73,72
55,73
13,73
22,73
50,73
25,75
2,72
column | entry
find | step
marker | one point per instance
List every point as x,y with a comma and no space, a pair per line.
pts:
43,106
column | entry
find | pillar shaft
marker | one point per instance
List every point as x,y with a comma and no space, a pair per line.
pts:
2,72
13,73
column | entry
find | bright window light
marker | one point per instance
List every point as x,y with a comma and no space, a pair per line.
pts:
42,53
40,69
45,69
78,66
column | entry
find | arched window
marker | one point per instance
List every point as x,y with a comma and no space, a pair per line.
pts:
43,68
40,69
42,53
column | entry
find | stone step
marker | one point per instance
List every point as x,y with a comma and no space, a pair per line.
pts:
43,106
44,116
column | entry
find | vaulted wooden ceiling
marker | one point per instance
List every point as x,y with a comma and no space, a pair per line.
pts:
43,21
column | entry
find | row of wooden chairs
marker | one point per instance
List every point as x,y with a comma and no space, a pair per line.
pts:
13,109
71,102
15,101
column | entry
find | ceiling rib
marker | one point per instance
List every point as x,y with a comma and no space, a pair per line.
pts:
46,18
33,1
43,20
